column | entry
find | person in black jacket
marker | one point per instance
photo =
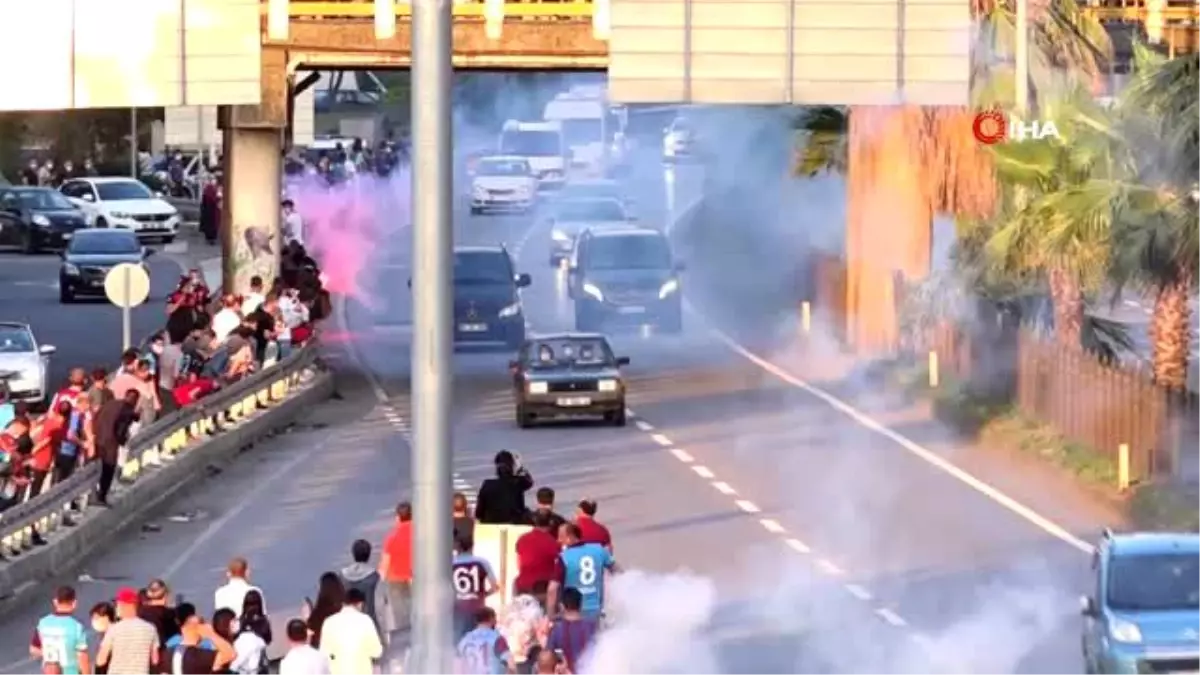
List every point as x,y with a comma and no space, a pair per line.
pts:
502,499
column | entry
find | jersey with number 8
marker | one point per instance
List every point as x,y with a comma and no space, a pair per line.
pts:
583,569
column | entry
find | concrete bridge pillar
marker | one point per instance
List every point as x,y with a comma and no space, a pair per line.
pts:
253,152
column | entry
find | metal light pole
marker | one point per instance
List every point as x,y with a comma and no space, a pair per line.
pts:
133,144
432,346
1022,56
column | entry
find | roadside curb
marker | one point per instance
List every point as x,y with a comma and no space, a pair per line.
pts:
99,527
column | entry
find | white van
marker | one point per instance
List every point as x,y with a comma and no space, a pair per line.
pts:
541,144
589,123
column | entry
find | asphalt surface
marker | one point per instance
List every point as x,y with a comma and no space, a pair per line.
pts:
770,530
86,333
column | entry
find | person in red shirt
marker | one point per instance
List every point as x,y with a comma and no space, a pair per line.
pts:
191,387
47,434
590,530
395,568
537,552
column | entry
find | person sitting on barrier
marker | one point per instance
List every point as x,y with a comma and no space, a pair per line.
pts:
14,473
190,387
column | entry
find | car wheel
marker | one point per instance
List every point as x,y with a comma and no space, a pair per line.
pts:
65,295
524,419
475,210
616,417
168,240
100,222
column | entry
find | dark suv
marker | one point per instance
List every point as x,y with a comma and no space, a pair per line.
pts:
487,302
625,278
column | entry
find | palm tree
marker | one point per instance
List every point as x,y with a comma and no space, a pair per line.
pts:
904,164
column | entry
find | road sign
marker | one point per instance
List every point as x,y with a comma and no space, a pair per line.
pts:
127,285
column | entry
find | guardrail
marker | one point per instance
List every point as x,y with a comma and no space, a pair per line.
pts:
365,9
159,444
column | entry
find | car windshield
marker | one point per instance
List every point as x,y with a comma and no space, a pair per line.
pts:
15,340
634,252
585,192
1164,582
117,191
569,353
43,200
104,243
589,210
482,267
531,143
503,167
583,131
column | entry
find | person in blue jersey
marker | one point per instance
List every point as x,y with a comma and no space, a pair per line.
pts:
60,641
580,566
483,650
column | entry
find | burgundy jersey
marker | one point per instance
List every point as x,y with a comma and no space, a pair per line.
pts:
470,574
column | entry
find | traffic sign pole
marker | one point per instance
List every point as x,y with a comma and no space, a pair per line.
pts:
126,311
127,285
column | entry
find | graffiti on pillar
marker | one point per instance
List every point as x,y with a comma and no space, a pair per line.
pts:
255,254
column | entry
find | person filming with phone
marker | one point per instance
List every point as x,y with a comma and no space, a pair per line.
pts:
502,499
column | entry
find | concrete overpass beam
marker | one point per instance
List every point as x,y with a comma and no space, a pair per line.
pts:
253,151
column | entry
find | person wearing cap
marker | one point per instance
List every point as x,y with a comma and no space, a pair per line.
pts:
501,499
130,647
232,595
302,658
158,612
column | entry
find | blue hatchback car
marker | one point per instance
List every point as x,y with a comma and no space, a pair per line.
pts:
1143,614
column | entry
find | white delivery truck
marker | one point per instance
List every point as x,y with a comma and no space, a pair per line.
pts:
541,144
592,129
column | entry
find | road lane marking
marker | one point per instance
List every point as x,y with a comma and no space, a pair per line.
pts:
829,568
644,426
724,488
702,471
772,526
797,545
1033,517
661,440
682,455
859,592
747,506
890,616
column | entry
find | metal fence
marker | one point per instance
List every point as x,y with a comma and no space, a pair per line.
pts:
159,444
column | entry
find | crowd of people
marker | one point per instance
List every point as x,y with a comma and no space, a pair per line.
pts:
50,173
209,342
364,610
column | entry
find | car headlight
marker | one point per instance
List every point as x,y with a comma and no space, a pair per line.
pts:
668,288
512,310
70,270
538,388
118,214
39,219
593,291
559,235
607,385
1124,631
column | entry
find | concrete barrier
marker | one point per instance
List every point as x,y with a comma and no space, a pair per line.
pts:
96,528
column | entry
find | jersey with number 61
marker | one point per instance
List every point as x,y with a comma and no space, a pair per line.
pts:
470,575
583,567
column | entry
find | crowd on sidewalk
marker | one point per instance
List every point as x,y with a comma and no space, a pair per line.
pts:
361,616
209,342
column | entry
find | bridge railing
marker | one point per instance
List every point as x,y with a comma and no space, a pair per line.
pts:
481,9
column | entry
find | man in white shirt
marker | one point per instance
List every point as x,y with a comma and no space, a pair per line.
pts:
233,593
302,658
293,224
255,297
349,638
227,320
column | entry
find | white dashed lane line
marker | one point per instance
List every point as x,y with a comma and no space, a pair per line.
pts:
396,419
772,526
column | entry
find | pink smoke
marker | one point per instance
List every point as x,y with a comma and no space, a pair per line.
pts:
348,227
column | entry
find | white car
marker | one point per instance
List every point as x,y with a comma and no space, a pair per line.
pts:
503,182
571,217
678,141
23,363
124,203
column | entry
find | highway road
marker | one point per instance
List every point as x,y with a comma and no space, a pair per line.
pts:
772,527
86,333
